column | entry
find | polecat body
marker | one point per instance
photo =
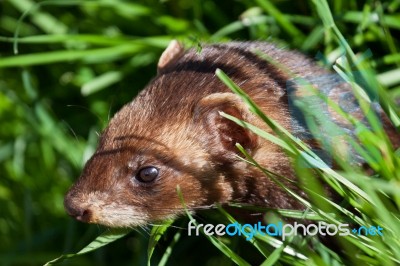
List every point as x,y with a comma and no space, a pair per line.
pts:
172,135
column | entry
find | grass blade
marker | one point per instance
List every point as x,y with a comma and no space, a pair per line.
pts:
105,238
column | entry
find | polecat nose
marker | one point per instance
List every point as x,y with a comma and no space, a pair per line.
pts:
80,213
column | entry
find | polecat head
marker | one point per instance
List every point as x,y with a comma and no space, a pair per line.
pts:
167,137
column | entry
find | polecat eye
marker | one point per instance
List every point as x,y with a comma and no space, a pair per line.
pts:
147,174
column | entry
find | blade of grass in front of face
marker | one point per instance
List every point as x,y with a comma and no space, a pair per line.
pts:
156,233
104,239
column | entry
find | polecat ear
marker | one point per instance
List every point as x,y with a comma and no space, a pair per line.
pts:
171,54
222,133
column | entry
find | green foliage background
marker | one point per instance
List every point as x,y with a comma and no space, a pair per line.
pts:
75,63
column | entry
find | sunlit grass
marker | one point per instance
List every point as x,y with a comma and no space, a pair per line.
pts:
62,61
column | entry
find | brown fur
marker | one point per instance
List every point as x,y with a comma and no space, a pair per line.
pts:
175,126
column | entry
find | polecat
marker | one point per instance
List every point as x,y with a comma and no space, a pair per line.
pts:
172,135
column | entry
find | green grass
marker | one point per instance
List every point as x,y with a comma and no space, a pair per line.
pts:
67,66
